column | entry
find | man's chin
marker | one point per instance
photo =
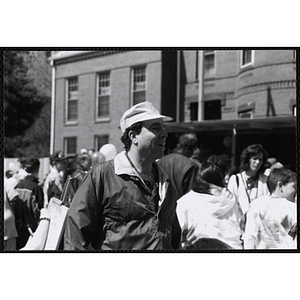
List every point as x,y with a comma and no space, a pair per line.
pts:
160,154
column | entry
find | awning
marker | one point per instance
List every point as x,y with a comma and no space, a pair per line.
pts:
257,125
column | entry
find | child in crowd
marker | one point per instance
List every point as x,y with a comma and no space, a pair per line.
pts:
209,211
270,218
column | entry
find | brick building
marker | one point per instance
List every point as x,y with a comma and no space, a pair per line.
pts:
92,89
229,98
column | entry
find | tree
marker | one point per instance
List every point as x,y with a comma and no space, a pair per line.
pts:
26,110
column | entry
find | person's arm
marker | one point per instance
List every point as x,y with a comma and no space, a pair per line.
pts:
39,195
232,185
45,190
251,235
187,229
38,240
188,180
83,215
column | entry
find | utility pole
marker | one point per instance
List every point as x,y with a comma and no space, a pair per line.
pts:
201,86
178,87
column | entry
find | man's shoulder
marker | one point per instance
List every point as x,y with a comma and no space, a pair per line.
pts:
263,177
52,175
105,166
21,184
172,157
261,203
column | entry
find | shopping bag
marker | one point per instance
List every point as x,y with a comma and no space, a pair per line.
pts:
57,223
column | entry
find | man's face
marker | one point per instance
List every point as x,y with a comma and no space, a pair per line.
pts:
152,139
289,191
61,165
86,164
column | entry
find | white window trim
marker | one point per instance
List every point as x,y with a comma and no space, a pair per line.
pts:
132,82
248,64
70,122
103,118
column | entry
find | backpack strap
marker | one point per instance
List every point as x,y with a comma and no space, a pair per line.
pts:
237,181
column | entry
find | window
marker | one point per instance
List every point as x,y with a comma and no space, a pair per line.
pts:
247,58
294,54
245,111
70,145
209,63
72,99
194,111
212,110
139,85
100,140
246,115
103,95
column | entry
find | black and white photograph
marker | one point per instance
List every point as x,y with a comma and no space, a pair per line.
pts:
150,149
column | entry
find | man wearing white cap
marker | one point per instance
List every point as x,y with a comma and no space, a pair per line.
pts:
126,203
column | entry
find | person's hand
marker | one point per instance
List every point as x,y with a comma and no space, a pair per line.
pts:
45,213
187,235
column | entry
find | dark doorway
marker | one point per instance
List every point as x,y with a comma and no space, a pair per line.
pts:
212,110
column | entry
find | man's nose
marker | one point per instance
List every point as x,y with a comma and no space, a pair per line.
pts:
163,132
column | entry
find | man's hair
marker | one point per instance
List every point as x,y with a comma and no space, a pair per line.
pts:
9,174
251,151
137,127
83,157
283,175
221,161
211,173
208,244
32,165
187,144
22,161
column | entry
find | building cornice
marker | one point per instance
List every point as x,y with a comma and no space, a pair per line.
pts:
262,86
64,57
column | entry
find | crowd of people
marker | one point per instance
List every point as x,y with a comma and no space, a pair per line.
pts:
26,199
141,199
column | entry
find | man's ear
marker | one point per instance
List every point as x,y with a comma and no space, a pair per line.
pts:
280,185
132,135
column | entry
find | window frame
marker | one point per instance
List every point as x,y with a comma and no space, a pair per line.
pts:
251,63
96,141
133,83
103,117
66,140
67,84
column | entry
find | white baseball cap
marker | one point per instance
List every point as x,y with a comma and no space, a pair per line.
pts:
140,112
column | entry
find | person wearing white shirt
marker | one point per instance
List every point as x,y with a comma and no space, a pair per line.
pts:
270,218
250,183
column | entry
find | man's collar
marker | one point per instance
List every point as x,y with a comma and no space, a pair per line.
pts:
122,165
31,178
